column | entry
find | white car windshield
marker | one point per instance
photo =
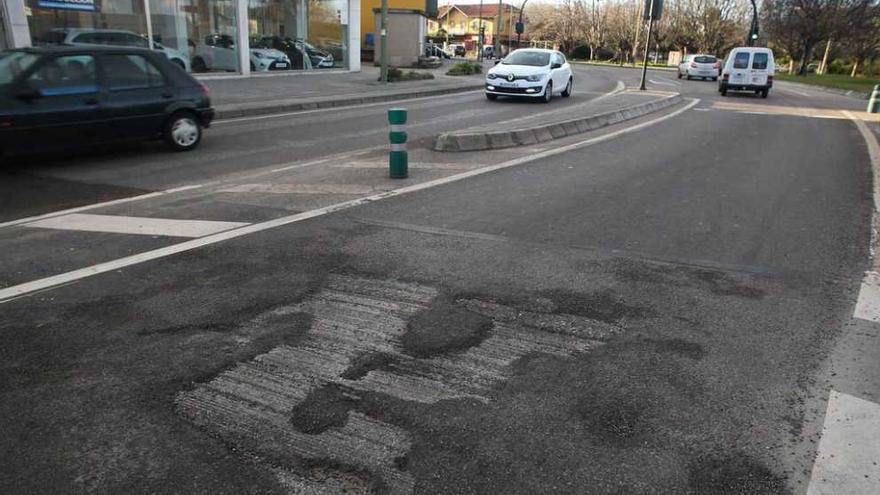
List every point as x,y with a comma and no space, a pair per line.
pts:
536,59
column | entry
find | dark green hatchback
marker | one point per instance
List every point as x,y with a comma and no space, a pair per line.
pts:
54,98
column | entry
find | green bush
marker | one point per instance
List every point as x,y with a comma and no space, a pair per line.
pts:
395,74
464,69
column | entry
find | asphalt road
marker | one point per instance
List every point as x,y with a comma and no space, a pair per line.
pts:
51,182
650,313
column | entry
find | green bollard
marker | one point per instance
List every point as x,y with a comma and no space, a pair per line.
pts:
874,102
398,162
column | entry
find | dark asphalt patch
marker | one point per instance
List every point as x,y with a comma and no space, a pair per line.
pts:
736,474
681,347
602,305
443,328
718,282
369,362
325,407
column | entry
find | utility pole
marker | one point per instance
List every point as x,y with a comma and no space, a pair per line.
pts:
824,67
648,43
383,36
499,28
480,34
640,21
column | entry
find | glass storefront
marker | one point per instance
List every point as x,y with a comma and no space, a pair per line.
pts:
202,35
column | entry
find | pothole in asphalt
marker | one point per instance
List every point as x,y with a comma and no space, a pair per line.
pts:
325,407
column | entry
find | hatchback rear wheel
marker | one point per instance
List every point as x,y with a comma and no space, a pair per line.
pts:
183,131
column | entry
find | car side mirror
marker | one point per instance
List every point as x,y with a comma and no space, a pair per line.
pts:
556,65
497,62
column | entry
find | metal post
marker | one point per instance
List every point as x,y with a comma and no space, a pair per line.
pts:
874,102
398,166
499,27
647,44
521,9
480,34
383,36
753,32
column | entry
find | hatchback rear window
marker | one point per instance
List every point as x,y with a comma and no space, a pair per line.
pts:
741,60
759,61
705,60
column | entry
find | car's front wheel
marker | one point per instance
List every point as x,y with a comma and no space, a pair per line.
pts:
548,93
567,91
491,96
183,131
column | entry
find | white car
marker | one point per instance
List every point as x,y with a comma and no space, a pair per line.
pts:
531,73
111,37
700,66
217,52
748,68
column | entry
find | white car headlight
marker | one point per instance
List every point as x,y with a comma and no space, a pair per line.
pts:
535,77
491,75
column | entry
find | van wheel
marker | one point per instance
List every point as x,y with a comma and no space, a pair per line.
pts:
679,75
183,131
765,93
199,65
723,90
714,78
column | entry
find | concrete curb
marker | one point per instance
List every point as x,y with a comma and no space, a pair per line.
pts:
490,140
825,89
234,110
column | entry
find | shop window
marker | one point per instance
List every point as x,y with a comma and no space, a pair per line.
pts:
199,35
297,34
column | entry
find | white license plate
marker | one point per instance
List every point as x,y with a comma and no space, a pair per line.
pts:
281,65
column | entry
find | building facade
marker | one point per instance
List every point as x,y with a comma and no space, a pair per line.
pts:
203,36
461,24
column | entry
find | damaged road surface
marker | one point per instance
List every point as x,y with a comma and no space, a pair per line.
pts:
615,319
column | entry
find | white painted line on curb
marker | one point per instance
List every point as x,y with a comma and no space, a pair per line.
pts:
16,291
868,303
300,189
117,224
93,206
848,458
873,153
664,83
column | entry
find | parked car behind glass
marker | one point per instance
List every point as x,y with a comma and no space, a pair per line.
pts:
55,97
110,37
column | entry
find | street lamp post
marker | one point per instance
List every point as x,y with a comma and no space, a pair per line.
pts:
480,34
753,32
521,9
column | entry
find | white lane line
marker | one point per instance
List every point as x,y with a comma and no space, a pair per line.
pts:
868,303
331,109
16,291
664,83
619,88
418,165
135,225
300,189
848,458
873,153
789,90
99,205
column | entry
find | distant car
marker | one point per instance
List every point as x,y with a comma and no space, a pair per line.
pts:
319,59
217,52
458,50
110,37
295,52
699,66
63,96
432,50
489,52
532,73
748,68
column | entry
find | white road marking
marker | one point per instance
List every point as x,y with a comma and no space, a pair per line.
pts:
664,82
873,153
789,90
416,165
135,225
702,109
848,458
619,88
16,291
868,303
100,205
300,189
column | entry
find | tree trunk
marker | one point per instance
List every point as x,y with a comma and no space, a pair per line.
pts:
855,69
805,60
791,65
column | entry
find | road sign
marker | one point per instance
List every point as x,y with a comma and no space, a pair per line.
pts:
653,11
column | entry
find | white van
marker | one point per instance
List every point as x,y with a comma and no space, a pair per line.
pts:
748,68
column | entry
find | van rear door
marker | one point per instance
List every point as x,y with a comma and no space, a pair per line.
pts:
739,72
760,68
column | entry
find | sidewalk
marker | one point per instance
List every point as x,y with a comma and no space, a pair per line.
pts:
276,93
